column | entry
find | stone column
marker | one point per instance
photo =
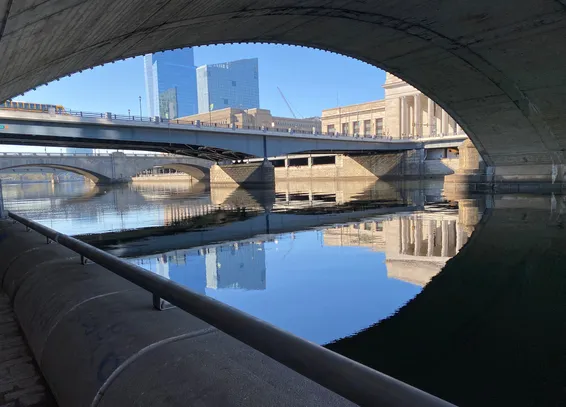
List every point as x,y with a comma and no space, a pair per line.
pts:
418,236
403,116
431,228
456,128
418,115
431,117
404,235
445,122
445,239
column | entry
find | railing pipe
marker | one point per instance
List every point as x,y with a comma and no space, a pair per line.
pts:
352,380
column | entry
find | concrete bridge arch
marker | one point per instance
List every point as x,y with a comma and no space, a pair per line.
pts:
93,176
495,66
108,169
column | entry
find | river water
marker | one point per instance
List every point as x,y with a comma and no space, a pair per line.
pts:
361,267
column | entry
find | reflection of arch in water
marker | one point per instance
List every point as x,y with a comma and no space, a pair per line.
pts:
197,172
91,175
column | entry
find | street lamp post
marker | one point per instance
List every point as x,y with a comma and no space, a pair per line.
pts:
140,108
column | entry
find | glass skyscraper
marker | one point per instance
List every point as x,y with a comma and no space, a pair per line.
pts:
170,83
229,84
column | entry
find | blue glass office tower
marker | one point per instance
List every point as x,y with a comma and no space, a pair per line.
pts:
229,84
170,83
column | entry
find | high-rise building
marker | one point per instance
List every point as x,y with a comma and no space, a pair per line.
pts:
170,83
236,265
228,84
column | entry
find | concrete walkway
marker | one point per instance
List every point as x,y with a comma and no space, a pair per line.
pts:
21,383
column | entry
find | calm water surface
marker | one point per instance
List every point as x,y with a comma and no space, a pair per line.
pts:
363,268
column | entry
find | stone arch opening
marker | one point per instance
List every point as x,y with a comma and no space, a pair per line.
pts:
197,172
93,176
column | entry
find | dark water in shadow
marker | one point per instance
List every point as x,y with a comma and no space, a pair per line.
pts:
462,297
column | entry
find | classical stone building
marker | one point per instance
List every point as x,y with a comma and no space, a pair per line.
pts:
405,112
256,118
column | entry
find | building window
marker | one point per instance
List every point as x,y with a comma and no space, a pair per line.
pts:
367,127
330,129
356,127
225,101
233,83
379,127
345,128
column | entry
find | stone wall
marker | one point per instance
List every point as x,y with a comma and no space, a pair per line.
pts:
303,171
398,164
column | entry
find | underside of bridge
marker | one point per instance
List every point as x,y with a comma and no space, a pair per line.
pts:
496,66
197,172
93,176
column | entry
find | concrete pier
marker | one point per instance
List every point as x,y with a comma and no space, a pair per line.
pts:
259,174
99,342
473,175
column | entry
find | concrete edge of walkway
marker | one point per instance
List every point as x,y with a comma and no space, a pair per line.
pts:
99,342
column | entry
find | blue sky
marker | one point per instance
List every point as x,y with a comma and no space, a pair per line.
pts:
311,80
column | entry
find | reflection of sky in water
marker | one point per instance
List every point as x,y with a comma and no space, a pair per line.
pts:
318,292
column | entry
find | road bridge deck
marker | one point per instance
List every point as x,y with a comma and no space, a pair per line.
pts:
214,143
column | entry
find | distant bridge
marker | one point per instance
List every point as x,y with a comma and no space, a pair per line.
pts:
108,168
216,142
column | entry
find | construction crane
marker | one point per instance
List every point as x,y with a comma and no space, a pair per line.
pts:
287,103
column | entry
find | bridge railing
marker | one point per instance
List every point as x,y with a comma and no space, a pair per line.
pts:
31,154
237,127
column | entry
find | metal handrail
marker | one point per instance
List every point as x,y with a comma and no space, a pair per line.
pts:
352,380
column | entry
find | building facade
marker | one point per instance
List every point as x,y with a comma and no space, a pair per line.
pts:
360,119
405,112
229,84
170,83
256,118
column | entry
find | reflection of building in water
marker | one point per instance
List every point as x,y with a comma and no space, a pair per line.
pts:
416,246
237,265
185,267
368,234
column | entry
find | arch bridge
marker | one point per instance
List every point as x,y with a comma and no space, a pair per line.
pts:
108,168
495,66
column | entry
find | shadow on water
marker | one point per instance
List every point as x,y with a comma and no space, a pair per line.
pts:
490,329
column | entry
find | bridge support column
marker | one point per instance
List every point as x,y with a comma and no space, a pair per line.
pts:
250,175
474,176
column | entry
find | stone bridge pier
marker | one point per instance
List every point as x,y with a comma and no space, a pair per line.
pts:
109,169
